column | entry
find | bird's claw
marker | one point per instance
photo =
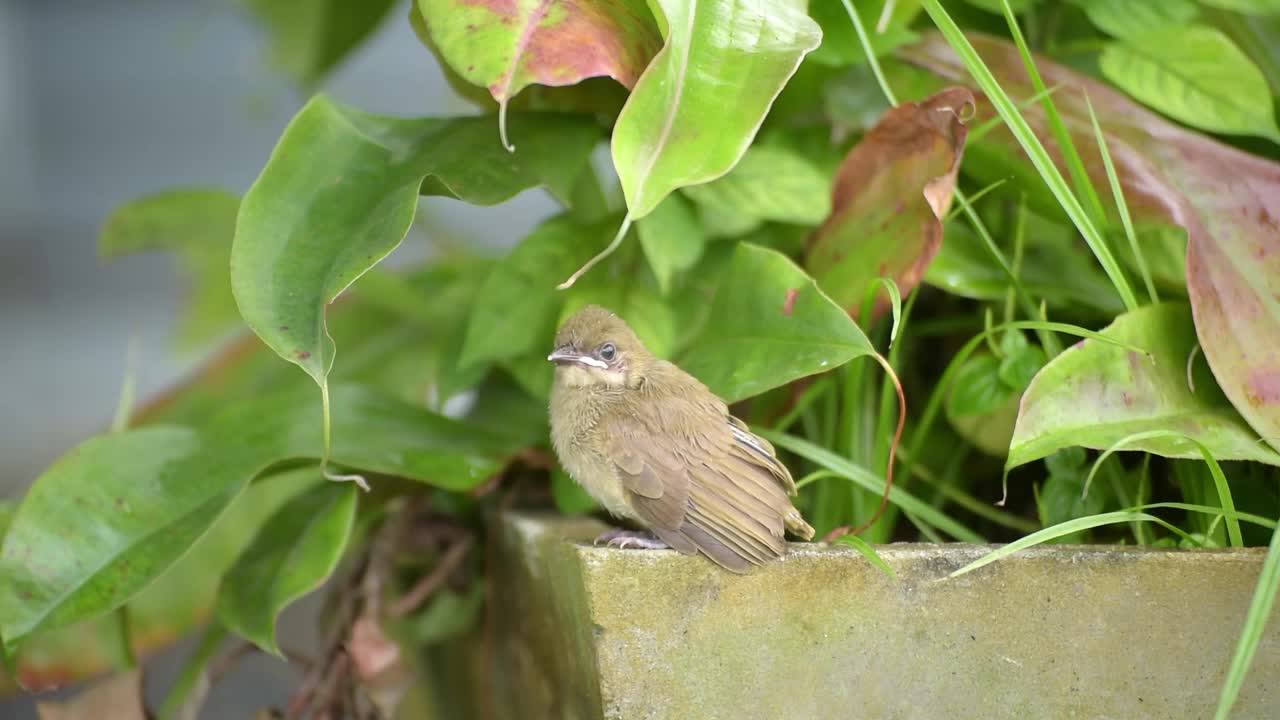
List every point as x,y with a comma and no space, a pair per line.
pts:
623,539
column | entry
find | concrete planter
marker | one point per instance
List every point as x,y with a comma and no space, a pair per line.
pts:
1054,632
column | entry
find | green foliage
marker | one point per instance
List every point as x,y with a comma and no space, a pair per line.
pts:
784,205
292,554
1194,74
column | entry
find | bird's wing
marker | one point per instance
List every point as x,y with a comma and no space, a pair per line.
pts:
709,485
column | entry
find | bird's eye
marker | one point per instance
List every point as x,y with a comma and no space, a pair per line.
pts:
608,352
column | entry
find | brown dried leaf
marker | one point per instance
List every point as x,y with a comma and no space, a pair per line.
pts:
890,193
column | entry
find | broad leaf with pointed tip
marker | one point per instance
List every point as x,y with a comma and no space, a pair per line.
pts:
339,194
769,325
1224,198
769,183
1095,395
197,225
119,510
292,554
1125,18
890,196
507,45
1194,74
699,103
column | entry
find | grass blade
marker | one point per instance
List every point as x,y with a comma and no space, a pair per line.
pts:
1031,145
1067,528
1075,166
1264,597
864,478
869,553
1117,192
1219,478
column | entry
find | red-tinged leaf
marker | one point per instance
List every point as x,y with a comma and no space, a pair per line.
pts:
890,195
507,45
1224,198
117,698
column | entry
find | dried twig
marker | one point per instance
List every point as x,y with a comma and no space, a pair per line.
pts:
449,562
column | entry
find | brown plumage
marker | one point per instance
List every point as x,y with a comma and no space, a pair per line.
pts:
653,445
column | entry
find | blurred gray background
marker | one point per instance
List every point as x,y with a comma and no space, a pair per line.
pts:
104,100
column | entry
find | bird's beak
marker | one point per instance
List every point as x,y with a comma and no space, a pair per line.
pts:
565,356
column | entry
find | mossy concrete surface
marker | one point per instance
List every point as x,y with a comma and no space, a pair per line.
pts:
1051,632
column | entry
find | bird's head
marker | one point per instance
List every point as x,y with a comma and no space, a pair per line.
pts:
595,348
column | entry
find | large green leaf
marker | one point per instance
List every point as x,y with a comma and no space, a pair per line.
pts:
1248,7
1194,74
696,108
507,46
340,192
769,183
310,37
197,225
769,325
172,606
120,509
517,308
890,196
672,239
1126,18
73,548
1095,395
293,553
1222,197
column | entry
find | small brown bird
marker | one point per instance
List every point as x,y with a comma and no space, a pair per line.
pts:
654,446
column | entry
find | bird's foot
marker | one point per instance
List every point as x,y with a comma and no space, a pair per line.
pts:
630,538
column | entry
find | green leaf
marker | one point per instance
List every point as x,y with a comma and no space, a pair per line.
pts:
1126,18
197,225
1094,394
517,308
890,194
309,38
117,511
769,325
1221,196
696,108
1054,268
981,406
124,516
1020,360
340,191
1247,7
839,43
293,554
1062,497
977,389
769,183
569,496
1196,75
672,239
507,46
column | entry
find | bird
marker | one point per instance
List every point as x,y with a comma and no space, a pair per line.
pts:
654,446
